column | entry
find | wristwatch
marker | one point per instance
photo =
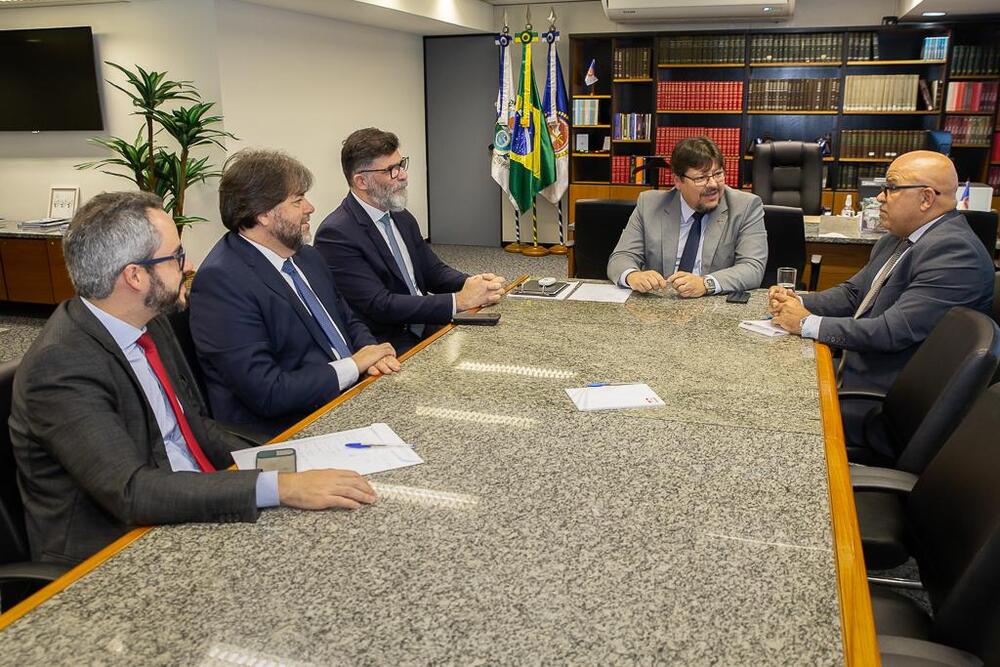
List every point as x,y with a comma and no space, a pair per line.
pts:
711,285
802,324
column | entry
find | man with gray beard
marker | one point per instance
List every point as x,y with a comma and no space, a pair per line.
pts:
378,257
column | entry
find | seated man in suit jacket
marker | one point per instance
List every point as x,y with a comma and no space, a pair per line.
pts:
375,251
275,338
929,262
106,419
704,237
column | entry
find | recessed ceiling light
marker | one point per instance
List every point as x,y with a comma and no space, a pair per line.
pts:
934,13
768,9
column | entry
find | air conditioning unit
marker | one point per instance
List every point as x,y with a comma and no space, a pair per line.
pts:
643,11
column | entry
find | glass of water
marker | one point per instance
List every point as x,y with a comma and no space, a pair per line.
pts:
786,277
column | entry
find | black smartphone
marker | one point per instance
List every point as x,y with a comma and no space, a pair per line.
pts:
738,297
487,319
282,460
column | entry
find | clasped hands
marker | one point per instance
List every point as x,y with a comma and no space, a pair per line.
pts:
481,289
785,308
688,285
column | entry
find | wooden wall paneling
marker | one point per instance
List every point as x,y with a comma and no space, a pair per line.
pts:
26,270
62,286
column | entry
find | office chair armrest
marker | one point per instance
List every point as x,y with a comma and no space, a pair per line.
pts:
815,261
896,582
899,651
874,478
861,396
31,571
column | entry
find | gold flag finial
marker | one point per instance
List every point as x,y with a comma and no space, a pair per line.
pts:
527,17
552,18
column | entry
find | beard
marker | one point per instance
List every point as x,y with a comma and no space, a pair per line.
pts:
162,300
290,233
390,197
704,207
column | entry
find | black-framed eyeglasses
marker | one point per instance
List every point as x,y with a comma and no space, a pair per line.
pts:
892,187
701,181
393,169
178,256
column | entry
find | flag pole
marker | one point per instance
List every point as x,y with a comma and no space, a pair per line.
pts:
534,250
552,37
560,248
516,245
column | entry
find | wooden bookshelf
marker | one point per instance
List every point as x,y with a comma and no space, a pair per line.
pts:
591,127
645,80
605,155
591,97
819,63
701,112
790,112
890,113
869,160
880,63
700,65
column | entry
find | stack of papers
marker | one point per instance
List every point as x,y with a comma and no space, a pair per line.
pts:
614,397
44,223
328,451
601,293
763,327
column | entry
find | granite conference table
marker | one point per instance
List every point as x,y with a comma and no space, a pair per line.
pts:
695,533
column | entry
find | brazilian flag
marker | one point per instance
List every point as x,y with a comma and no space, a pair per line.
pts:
532,160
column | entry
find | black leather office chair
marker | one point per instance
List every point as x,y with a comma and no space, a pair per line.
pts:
786,245
950,520
996,297
598,226
789,173
931,394
19,577
984,224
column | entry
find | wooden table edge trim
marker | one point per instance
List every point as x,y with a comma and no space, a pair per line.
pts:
74,575
90,564
856,619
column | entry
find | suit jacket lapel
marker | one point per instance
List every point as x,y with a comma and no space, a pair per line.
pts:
91,326
713,226
381,247
263,269
671,232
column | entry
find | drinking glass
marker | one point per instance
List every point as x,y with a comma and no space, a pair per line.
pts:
786,277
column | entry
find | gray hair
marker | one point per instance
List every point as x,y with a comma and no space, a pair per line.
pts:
109,232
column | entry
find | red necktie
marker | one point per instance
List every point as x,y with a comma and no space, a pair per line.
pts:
153,357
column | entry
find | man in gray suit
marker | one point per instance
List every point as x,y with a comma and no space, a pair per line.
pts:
704,237
929,262
106,420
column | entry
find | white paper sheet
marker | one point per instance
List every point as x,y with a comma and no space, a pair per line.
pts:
763,327
570,286
614,397
328,451
601,293
833,235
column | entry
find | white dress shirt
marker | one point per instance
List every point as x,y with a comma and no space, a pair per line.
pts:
346,369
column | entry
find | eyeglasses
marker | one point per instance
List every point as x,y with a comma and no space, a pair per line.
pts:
701,181
392,170
892,187
178,256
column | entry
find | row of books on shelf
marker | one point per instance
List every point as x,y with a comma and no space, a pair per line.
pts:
972,60
969,129
631,63
585,112
880,143
794,94
699,95
993,180
794,47
848,175
890,92
631,126
862,46
934,48
624,168
726,138
685,49
971,96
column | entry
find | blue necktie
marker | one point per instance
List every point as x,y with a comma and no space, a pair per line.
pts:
690,254
322,319
397,254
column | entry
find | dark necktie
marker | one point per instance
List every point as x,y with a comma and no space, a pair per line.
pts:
145,341
690,254
316,308
890,264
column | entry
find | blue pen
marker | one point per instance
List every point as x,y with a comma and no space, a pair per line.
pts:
609,384
369,445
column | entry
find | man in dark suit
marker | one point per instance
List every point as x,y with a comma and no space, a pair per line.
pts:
106,420
375,251
929,262
275,338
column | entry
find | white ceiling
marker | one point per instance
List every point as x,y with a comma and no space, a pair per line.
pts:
914,9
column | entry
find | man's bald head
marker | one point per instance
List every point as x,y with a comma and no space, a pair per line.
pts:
907,209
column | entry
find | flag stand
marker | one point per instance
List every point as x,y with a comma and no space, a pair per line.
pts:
534,250
560,248
516,245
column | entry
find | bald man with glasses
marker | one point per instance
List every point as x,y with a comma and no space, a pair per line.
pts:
929,262
699,238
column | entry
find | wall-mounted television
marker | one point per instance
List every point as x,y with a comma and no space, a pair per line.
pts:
48,80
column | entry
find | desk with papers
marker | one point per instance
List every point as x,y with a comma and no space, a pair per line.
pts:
696,532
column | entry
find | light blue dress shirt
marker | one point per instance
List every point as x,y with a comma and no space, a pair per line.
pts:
346,369
810,328
180,457
687,221
376,215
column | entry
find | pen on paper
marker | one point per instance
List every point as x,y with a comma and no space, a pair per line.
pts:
609,384
369,445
